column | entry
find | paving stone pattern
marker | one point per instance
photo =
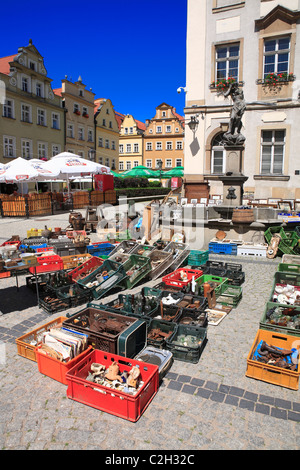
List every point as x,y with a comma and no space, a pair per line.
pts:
205,406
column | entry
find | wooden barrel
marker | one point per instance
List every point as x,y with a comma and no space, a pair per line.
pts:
242,216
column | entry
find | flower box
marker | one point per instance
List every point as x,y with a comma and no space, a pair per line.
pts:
274,79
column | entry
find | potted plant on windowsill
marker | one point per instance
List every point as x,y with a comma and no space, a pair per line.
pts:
274,79
85,115
222,84
77,112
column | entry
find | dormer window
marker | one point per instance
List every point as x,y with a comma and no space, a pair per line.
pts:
80,92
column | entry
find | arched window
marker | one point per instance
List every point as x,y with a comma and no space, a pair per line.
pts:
217,155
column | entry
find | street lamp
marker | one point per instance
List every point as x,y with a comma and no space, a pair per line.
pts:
159,165
92,157
193,124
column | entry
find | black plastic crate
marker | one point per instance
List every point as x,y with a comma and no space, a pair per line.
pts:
50,303
166,329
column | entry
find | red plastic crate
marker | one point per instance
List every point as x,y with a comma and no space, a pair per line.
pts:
44,250
112,401
174,279
12,242
77,273
5,274
54,368
48,263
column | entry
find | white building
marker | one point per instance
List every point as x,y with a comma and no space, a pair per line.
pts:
245,40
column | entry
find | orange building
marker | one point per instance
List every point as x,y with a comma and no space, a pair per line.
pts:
164,139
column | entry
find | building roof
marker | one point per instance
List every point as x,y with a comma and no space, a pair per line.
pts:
4,63
57,91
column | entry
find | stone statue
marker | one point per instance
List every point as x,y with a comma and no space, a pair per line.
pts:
233,136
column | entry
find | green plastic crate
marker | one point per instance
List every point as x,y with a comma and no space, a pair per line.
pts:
197,257
288,242
229,295
144,268
266,323
217,281
289,268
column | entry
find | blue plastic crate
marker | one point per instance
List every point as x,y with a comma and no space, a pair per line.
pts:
100,249
223,248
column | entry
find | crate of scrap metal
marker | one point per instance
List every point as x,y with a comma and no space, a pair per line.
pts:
73,261
282,318
229,295
75,294
126,246
274,358
136,269
142,250
160,261
127,401
159,331
187,343
107,276
50,303
180,253
84,271
104,328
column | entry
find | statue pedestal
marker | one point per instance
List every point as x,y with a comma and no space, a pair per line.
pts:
233,179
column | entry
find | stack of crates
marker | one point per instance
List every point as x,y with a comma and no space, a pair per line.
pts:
197,257
280,327
289,241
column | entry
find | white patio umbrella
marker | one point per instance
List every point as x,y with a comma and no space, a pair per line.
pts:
18,170
70,164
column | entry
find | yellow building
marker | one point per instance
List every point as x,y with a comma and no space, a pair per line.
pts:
79,128
32,116
130,142
106,134
164,138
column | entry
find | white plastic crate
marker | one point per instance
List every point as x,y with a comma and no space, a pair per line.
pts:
250,249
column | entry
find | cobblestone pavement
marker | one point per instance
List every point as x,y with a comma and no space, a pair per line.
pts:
205,406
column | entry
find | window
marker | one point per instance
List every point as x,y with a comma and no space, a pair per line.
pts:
55,149
113,145
107,162
135,163
90,135
169,146
9,146
128,148
8,109
100,142
178,161
121,166
70,130
110,124
164,113
158,146
76,108
81,133
42,150
85,111
106,143
227,61
25,84
168,128
276,55
136,148
41,117
25,113
81,93
179,145
130,130
26,148
55,121
113,164
128,165
149,146
217,155
121,148
149,163
168,163
126,130
272,152
104,122
39,89
32,65
158,129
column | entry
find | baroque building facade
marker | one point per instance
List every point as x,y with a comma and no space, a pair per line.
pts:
164,138
106,134
32,118
255,43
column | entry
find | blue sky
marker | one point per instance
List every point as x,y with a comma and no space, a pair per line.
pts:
131,51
